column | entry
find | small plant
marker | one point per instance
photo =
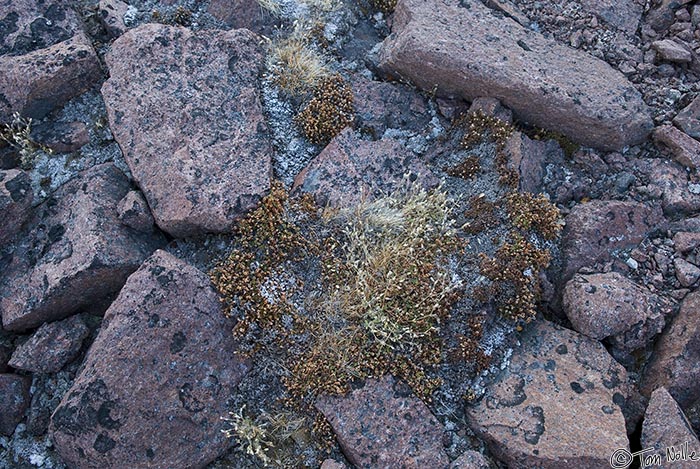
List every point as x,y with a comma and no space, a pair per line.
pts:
17,134
467,169
481,215
385,6
329,111
480,126
271,6
534,212
296,66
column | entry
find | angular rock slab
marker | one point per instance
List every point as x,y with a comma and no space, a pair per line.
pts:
459,47
558,404
76,252
666,426
14,400
15,202
185,109
675,363
156,380
384,425
350,168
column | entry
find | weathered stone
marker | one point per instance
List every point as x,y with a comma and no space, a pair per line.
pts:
51,347
471,460
596,229
332,464
491,107
112,16
685,241
622,14
663,16
155,382
5,354
14,400
185,109
35,83
688,120
29,25
525,426
245,14
76,252
61,137
675,363
671,51
541,81
605,305
133,211
349,168
384,425
666,426
685,149
686,273
529,157
15,202
672,181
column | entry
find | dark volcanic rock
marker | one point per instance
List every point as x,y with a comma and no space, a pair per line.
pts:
14,400
597,228
675,363
665,425
76,252
557,404
185,109
35,83
349,168
51,347
384,425
15,202
461,48
156,380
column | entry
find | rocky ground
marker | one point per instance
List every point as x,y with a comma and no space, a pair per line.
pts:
324,233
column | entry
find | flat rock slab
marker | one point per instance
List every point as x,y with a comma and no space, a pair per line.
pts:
349,169
76,252
666,426
595,229
185,109
156,380
675,363
461,48
558,404
684,148
384,425
622,14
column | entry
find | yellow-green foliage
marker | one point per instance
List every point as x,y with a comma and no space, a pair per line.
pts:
329,111
17,134
296,66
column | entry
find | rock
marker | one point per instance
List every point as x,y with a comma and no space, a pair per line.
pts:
624,15
15,202
540,80
348,168
384,425
332,464
595,229
133,211
663,16
671,51
155,382
61,137
529,158
246,14
471,460
605,305
14,400
665,425
524,426
111,14
51,347
686,273
5,354
47,392
491,107
672,181
675,363
38,82
685,149
380,106
185,109
688,120
29,25
685,241
75,253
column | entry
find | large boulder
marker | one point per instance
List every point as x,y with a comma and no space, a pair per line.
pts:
558,404
461,48
76,252
185,109
155,382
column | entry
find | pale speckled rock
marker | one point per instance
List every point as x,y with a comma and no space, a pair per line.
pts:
15,202
622,14
684,148
185,109
76,252
686,273
557,405
672,181
384,425
133,211
111,13
675,363
155,382
688,120
671,51
461,48
349,167
686,241
471,460
664,426
332,464
605,305
530,157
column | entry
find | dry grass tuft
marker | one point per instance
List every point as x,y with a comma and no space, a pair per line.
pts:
17,134
296,65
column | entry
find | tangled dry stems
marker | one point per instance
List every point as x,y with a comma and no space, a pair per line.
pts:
17,134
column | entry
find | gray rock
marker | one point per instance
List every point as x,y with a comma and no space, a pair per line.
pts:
671,51
684,149
14,400
111,14
688,120
15,202
133,211
686,273
622,14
